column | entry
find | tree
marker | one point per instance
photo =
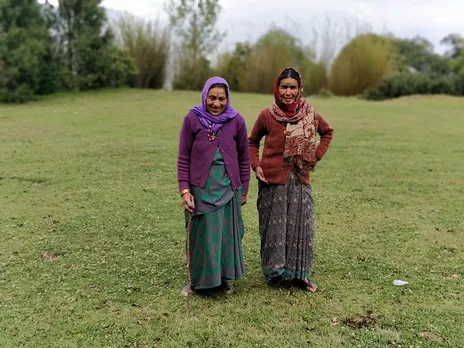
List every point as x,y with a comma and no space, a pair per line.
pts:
417,55
329,35
315,76
456,42
230,65
193,22
86,43
148,45
456,56
363,63
49,79
24,49
274,51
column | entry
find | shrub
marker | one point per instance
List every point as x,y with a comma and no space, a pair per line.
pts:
363,63
148,46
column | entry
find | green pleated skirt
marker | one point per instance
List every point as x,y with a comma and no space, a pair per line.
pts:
216,231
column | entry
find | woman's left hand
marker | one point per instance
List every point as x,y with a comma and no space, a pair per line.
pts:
244,199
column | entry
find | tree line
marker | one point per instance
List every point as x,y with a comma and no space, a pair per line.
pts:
44,49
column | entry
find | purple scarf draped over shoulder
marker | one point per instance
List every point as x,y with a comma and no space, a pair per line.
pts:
206,119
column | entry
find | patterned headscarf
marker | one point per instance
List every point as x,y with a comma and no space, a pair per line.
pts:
301,125
284,111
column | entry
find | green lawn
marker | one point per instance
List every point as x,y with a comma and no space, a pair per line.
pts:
92,232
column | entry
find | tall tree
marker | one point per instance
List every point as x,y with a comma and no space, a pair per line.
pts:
417,54
24,44
230,65
49,81
274,50
148,44
363,63
194,24
86,43
456,56
456,44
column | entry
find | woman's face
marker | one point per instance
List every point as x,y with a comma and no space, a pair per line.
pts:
288,90
216,101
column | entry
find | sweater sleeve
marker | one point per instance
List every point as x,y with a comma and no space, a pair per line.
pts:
183,158
325,130
243,155
257,133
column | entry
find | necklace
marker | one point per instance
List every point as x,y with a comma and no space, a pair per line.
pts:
211,135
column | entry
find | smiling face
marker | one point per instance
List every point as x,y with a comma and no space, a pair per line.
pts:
288,90
216,101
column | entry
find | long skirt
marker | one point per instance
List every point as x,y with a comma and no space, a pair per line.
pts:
286,225
216,231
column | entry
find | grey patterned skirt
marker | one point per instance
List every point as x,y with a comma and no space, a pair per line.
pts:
286,226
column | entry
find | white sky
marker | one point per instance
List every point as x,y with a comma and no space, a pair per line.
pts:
248,19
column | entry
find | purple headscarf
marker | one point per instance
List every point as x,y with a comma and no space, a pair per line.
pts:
201,111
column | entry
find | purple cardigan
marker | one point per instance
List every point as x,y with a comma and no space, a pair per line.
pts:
196,152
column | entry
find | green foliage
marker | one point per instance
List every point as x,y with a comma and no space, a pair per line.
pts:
363,63
44,49
315,77
253,68
421,71
230,65
274,51
87,47
191,75
457,64
459,83
325,93
148,46
27,60
122,70
456,43
49,78
193,22
456,53
417,55
409,83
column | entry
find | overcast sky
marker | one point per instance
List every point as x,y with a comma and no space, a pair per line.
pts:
248,19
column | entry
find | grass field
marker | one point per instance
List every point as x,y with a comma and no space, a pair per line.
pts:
92,232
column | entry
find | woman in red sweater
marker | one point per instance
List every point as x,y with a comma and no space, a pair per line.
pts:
285,202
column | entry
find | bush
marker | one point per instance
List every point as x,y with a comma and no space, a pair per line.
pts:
363,63
191,75
122,70
20,94
274,51
403,84
49,78
315,77
325,93
24,46
459,84
148,46
231,64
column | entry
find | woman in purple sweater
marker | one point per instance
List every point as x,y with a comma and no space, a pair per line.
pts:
213,170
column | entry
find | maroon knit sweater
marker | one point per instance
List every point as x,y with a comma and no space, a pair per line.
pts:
272,161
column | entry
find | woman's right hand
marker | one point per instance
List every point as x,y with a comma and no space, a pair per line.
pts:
260,174
188,202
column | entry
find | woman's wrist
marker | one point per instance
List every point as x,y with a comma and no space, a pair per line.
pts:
184,191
